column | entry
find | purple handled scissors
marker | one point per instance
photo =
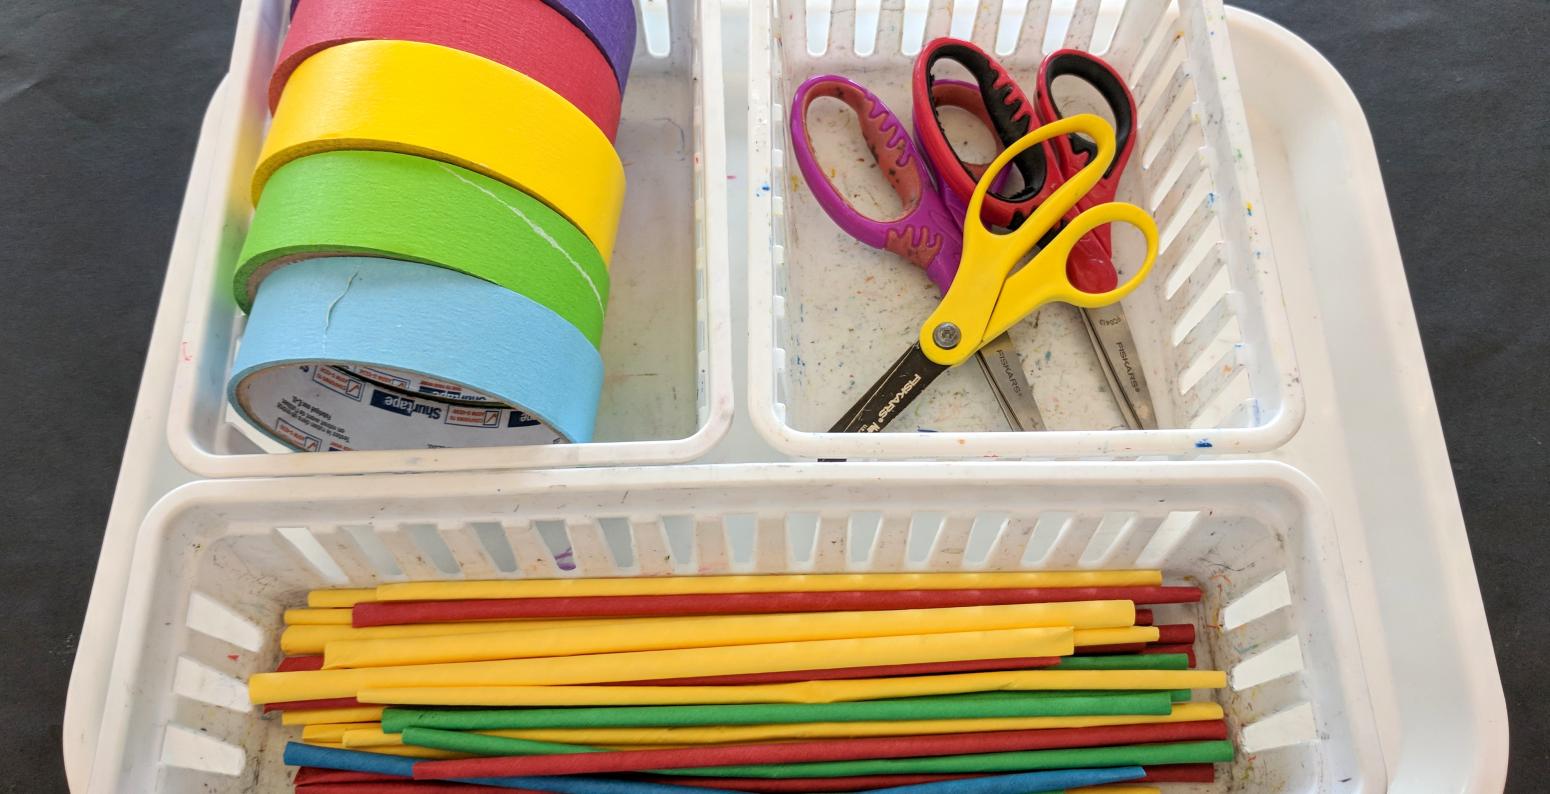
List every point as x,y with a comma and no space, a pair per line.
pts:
929,229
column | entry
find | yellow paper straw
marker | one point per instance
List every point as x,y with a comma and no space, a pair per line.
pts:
1122,636
731,660
343,597
333,731
678,585
297,640
730,630
317,617
372,736
329,716
800,692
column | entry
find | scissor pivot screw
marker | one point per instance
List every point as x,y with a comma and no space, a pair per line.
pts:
946,336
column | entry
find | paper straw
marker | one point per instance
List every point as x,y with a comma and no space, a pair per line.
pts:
373,736
317,617
405,612
343,597
1121,788
332,731
1176,634
675,585
1144,617
1154,661
1177,773
1187,650
1064,780
844,673
297,754
771,657
291,664
313,639
999,705
309,775
407,787
1098,620
521,757
312,705
326,716
804,692
1014,761
1084,638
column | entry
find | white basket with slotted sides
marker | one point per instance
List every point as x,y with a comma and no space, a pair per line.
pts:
827,315
666,343
218,562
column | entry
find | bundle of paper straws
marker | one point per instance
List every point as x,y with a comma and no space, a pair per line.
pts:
952,683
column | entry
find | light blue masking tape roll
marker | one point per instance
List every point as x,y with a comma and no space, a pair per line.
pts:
363,353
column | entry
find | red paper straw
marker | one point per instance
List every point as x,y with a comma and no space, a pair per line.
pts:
876,671
828,750
1176,634
1144,617
757,785
389,613
1102,650
1171,773
304,705
291,664
1179,773
309,775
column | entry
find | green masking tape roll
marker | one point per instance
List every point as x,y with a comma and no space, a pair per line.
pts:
398,206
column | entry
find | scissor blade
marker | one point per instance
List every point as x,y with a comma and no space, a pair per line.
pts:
1003,367
1116,347
891,394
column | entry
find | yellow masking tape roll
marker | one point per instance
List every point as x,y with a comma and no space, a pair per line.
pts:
782,583
606,667
650,635
317,617
342,597
448,105
1122,636
372,736
803,692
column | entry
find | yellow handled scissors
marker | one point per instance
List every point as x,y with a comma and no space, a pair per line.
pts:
987,298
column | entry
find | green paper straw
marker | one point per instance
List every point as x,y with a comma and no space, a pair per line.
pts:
1016,761
1141,661
977,705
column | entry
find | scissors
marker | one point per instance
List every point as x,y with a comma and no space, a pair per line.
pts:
1043,169
986,296
928,231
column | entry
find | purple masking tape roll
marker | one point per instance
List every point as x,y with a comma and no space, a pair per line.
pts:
609,23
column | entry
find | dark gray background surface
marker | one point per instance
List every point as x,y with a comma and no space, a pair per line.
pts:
100,103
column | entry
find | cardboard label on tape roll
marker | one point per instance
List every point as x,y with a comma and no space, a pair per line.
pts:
448,105
529,36
397,206
515,372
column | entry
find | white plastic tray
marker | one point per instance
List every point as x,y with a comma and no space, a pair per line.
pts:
1444,726
828,314
218,562
667,396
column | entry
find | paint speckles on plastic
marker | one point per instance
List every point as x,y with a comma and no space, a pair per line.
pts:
1204,443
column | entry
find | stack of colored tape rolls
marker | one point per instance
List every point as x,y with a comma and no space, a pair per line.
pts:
435,211
973,683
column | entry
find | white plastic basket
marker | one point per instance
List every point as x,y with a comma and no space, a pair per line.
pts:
828,314
216,563
666,344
